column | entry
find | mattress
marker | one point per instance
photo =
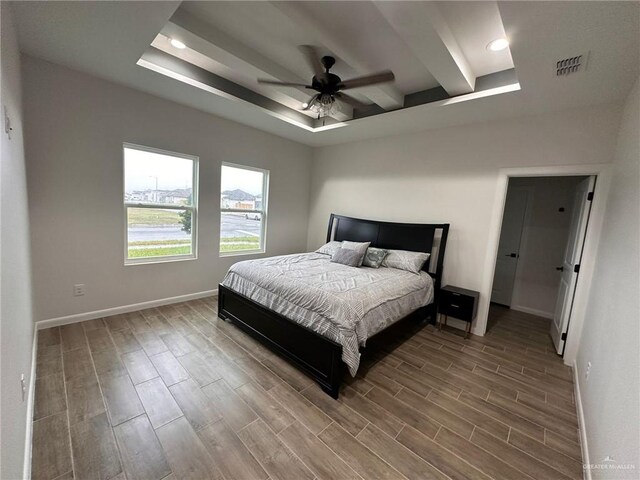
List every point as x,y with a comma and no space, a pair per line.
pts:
346,304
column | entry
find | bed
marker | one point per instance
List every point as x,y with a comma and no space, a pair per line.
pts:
319,314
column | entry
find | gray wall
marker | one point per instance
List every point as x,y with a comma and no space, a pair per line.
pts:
611,332
451,175
75,127
16,320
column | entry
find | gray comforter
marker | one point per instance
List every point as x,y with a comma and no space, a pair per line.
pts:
346,304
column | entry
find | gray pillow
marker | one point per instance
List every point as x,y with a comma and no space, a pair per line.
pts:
405,260
374,256
360,247
329,248
352,258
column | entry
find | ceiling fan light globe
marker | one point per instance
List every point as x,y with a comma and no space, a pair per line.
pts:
324,105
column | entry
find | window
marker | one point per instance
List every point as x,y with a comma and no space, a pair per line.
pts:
243,209
160,205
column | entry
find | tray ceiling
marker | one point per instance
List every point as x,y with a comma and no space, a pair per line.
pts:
437,51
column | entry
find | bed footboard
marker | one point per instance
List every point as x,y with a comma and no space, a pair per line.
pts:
318,356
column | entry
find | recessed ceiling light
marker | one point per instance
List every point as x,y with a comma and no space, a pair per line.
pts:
498,44
305,105
177,43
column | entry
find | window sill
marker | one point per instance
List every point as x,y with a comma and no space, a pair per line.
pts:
241,253
154,260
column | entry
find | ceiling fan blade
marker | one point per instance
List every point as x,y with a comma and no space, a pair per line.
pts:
350,100
373,79
266,81
313,58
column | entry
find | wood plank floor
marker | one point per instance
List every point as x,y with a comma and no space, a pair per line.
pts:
174,392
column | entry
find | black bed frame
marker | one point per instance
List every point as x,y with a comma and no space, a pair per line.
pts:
313,353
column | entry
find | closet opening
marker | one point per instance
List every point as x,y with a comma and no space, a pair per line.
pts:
537,267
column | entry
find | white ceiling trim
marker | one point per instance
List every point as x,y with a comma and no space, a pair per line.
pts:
195,54
513,87
428,35
216,91
193,75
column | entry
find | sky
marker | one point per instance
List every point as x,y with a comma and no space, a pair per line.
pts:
141,169
248,180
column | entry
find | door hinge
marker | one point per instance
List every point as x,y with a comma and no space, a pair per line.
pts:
563,337
576,268
590,196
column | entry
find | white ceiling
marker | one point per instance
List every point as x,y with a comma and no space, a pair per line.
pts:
463,18
266,28
415,40
106,39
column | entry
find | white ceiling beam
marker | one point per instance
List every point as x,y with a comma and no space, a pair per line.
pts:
238,60
424,29
385,95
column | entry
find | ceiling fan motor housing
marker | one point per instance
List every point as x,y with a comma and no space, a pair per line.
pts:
326,83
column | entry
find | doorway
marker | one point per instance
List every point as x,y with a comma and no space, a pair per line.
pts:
544,224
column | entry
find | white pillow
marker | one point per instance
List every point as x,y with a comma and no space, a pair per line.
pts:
360,247
405,260
329,248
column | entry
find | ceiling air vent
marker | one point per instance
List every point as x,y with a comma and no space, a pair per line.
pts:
570,65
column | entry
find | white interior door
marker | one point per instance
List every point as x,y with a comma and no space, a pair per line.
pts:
515,209
572,256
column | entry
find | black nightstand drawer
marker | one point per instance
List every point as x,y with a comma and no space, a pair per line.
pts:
458,303
458,309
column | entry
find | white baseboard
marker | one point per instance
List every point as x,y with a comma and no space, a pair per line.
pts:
532,311
581,423
28,437
107,312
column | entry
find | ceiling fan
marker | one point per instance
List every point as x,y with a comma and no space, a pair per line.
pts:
328,85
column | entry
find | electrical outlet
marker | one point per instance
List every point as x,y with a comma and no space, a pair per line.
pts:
23,387
587,371
79,290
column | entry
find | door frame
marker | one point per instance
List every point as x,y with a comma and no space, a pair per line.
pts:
590,249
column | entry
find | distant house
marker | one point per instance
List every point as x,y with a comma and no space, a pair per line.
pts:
238,199
179,196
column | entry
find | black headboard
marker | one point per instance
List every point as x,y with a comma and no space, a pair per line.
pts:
416,237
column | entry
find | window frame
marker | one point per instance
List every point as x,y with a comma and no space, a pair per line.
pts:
263,222
193,207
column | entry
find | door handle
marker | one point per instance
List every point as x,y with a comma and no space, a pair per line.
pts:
560,269
512,255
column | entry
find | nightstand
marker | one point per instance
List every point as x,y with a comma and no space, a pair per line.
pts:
459,303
